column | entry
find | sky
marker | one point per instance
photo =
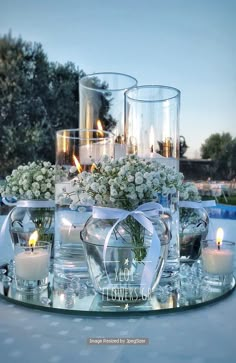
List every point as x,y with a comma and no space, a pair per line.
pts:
187,44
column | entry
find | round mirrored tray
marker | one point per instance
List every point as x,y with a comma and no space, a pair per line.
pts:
75,295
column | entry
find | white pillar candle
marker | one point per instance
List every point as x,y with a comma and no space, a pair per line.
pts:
70,234
220,262
32,265
64,187
120,150
90,152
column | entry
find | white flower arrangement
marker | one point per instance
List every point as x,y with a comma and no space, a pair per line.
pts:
36,180
124,183
189,191
191,220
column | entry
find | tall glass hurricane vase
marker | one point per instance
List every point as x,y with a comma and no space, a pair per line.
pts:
102,104
152,131
77,150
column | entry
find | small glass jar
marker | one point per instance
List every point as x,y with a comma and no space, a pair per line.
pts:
218,262
32,266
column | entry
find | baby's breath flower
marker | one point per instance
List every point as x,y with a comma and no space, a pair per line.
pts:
127,182
36,180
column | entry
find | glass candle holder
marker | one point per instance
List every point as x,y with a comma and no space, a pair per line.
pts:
77,150
218,261
32,266
152,123
102,104
152,131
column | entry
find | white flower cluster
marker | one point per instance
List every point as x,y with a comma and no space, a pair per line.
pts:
125,183
189,191
36,180
191,220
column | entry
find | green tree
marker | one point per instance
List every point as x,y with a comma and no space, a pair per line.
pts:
221,148
37,97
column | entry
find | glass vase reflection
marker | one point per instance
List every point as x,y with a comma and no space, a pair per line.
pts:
102,104
31,215
120,276
77,151
193,228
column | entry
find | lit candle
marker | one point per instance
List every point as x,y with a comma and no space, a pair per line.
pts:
77,164
218,256
33,262
100,128
167,146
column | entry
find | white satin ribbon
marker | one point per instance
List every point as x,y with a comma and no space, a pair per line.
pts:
141,214
9,204
6,246
36,203
201,204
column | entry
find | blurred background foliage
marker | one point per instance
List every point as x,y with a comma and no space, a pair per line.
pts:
37,97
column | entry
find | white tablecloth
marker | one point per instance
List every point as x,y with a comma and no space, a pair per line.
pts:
204,335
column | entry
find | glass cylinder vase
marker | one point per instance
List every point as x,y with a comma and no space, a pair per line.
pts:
152,132
77,151
102,104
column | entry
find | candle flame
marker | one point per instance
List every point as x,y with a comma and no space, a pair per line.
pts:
33,239
100,128
77,164
93,167
219,236
64,141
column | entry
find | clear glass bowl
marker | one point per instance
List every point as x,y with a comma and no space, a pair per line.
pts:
194,224
120,276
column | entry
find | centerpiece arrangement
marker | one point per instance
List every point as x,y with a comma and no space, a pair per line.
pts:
126,239
33,186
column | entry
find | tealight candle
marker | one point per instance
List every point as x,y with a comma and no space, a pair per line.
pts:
218,255
32,264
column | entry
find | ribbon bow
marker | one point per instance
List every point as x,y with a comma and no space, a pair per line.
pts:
201,204
141,215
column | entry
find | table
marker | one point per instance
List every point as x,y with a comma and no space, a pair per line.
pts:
202,335
213,189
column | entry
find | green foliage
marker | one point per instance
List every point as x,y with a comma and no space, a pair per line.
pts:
102,101
221,148
37,97
215,145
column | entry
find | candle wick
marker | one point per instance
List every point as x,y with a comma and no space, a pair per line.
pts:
218,246
32,248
